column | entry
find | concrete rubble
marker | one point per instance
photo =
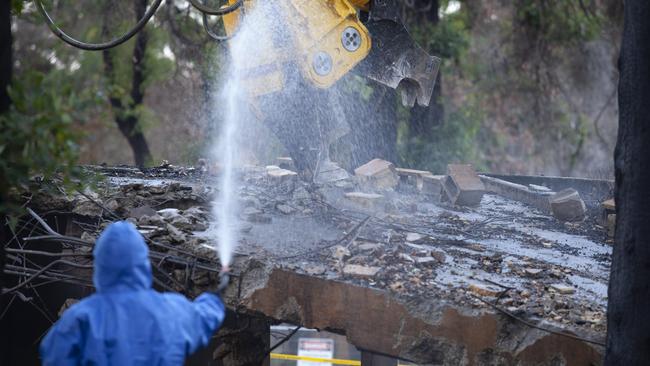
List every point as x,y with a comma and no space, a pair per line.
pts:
463,186
567,205
399,273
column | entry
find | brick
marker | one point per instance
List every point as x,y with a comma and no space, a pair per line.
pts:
567,205
360,271
432,187
378,174
285,162
563,289
609,205
485,290
611,225
463,186
281,175
371,201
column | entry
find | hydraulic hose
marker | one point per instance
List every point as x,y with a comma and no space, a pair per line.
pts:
221,11
98,46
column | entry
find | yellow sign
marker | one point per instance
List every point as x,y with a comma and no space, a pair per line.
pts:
280,356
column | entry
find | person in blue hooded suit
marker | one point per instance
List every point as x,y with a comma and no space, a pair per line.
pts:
126,322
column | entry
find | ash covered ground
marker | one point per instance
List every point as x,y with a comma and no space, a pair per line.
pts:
501,253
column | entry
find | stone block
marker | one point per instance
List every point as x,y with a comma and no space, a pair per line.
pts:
432,187
611,225
370,201
463,186
360,271
567,205
378,174
485,290
280,175
563,289
411,179
285,162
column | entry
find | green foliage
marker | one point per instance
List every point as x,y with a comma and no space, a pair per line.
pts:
38,137
559,21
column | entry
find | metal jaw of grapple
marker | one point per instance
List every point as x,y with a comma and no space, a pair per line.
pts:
395,59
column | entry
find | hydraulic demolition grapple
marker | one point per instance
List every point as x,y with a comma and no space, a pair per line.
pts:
329,38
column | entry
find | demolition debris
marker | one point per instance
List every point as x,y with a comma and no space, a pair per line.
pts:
453,269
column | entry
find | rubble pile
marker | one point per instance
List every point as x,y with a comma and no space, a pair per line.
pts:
411,233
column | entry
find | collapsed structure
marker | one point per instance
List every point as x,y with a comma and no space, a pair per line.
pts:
458,269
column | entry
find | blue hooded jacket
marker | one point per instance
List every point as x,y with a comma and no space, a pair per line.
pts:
126,322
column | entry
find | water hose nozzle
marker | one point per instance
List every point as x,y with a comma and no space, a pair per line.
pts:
224,279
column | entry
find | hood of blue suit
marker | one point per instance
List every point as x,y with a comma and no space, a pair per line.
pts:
121,260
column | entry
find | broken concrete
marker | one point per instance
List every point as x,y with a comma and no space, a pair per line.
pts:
420,309
568,206
463,186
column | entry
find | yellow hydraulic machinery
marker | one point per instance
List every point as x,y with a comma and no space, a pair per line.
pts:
328,39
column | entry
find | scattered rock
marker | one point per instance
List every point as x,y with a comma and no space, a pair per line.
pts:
533,272
281,176
425,260
154,219
406,257
175,234
439,256
415,237
138,212
86,207
567,205
360,271
463,186
340,252
169,213
378,174
563,289
485,290
285,209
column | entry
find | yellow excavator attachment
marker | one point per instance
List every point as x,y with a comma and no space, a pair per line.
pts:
326,41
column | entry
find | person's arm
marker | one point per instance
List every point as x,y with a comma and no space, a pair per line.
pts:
62,344
207,316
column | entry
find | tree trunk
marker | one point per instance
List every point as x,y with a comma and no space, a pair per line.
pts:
6,66
125,117
628,314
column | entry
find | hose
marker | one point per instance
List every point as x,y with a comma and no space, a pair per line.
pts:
211,33
99,46
221,11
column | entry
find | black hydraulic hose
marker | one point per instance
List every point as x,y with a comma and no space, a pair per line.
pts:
98,46
221,11
211,33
